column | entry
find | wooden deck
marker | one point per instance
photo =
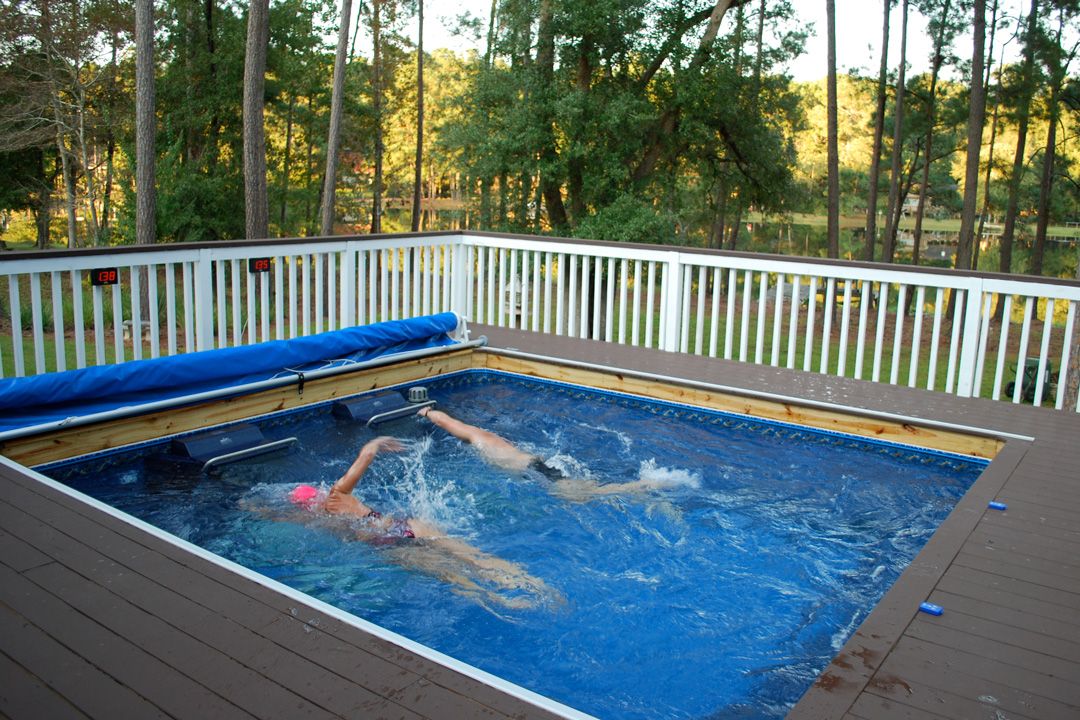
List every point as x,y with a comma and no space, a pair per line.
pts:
103,619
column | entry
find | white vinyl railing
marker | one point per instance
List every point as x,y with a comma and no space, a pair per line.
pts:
934,329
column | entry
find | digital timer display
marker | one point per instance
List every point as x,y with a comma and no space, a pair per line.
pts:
104,276
258,265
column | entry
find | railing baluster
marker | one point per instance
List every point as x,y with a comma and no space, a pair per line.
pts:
188,281
535,327
170,308
77,319
635,330
563,273
935,338
898,334
1021,358
826,325
954,343
714,327
732,301
624,279
1044,350
136,314
279,297
793,322
916,337
879,331
251,322
1003,347
763,308
984,339
845,325
811,311
492,287
548,280
598,296
609,306
525,305
650,304
154,310
264,305
583,304
36,323
222,302
237,304
778,319
1063,366
18,359
118,324
571,300
332,292
866,296
684,313
294,315
60,342
318,259
99,326
744,325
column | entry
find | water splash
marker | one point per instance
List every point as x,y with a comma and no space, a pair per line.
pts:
664,477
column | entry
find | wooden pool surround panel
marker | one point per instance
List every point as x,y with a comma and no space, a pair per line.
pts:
75,441
898,664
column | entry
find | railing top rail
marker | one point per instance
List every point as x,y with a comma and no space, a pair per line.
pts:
17,255
827,266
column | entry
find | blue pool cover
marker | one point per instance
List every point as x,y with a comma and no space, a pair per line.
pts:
52,397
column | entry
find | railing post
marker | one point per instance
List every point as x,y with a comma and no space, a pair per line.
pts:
347,286
671,302
204,301
969,345
461,280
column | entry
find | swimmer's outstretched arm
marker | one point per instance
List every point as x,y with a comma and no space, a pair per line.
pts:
364,458
492,447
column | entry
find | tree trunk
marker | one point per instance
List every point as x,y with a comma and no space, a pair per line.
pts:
418,169
545,68
1058,68
286,162
145,125
333,140
834,154
879,131
924,186
1023,113
976,117
993,137
888,247
377,112
256,209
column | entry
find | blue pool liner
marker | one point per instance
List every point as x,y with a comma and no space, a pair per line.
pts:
52,397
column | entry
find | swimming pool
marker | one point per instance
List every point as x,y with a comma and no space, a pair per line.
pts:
723,594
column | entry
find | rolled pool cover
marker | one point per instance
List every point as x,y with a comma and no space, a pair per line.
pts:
51,397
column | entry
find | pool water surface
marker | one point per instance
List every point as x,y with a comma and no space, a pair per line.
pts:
722,593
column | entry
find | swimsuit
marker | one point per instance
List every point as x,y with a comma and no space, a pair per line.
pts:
553,474
398,529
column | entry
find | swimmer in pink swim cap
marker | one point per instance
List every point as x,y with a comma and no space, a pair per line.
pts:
421,544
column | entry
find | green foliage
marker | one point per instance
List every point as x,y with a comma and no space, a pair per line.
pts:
628,219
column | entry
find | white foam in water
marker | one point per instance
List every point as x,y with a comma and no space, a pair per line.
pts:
663,477
425,495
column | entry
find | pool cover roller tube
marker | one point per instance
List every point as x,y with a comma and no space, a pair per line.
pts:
53,397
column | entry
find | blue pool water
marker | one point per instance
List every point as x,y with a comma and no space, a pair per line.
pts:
722,594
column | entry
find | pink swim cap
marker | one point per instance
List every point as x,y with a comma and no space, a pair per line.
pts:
303,494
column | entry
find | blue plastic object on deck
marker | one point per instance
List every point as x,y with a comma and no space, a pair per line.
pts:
995,505
931,609
52,397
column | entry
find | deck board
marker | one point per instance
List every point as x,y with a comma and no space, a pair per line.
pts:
99,618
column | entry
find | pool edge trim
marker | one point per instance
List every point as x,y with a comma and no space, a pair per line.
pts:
505,686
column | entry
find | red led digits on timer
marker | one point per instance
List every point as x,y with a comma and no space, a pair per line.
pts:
104,276
258,265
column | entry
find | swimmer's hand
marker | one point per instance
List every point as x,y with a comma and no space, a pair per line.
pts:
383,442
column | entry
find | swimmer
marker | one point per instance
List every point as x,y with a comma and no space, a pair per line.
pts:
421,544
502,453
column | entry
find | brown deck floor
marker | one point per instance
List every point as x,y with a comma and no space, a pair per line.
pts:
102,619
